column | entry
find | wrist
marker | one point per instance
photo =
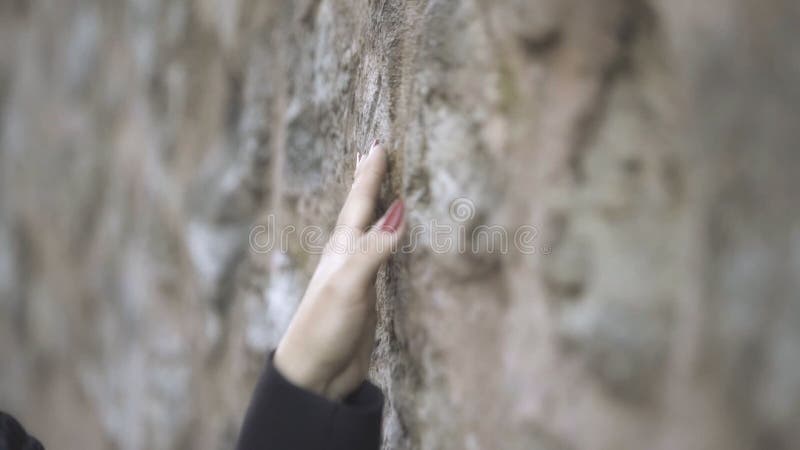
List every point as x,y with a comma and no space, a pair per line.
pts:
295,366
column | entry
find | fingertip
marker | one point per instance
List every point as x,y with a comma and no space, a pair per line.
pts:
384,236
359,206
376,149
394,217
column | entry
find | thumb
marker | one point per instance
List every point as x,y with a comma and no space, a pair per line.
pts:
383,238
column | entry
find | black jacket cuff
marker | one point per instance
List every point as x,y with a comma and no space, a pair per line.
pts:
284,416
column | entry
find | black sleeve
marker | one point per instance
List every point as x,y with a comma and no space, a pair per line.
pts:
14,437
283,416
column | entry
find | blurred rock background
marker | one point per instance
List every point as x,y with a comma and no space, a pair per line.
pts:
652,145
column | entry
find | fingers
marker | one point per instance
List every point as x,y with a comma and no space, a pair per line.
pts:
384,238
358,208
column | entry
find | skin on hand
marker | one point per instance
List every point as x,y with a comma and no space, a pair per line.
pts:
328,344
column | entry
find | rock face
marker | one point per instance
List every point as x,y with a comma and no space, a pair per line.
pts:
622,175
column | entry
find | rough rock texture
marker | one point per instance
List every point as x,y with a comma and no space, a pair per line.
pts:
647,149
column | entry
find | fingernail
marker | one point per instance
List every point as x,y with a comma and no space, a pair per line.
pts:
394,217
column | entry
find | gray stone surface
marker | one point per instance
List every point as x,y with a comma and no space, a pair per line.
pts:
650,145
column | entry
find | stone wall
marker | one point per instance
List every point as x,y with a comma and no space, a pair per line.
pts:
647,147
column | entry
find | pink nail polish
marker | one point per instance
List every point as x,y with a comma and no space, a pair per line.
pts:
393,217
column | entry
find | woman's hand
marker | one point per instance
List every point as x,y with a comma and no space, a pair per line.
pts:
328,345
